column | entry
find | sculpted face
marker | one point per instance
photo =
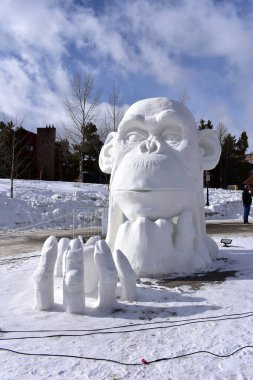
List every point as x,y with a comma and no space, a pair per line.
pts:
155,159
152,147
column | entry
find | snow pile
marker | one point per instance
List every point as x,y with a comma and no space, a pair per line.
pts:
224,204
41,201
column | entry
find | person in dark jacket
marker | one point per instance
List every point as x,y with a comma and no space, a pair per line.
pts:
246,200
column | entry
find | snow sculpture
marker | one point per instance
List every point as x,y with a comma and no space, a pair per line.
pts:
91,274
73,279
62,247
44,275
127,277
108,276
156,213
156,223
91,263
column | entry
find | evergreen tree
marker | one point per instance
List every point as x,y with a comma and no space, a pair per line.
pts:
89,150
205,125
209,124
242,144
227,159
232,168
243,167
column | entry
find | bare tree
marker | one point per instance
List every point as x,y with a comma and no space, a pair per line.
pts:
81,108
15,158
114,111
222,132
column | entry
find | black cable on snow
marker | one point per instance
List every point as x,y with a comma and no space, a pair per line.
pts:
105,331
142,362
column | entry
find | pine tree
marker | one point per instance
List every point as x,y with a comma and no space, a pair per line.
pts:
89,150
232,165
205,125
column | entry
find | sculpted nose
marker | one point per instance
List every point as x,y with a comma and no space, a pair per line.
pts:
150,146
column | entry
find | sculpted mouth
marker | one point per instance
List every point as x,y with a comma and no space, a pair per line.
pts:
153,189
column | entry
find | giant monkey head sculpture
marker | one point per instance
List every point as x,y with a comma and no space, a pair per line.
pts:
156,160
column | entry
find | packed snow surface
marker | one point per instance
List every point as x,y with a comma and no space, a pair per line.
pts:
169,319
184,321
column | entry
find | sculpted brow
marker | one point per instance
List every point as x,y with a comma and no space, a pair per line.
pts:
132,126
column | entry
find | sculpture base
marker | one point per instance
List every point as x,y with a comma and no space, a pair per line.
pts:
161,247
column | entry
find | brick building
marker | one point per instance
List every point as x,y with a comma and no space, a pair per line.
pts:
46,140
45,155
51,155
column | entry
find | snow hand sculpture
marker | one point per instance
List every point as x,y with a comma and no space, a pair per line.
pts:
44,275
62,248
156,214
73,278
91,263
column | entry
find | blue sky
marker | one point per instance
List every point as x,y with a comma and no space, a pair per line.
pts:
149,48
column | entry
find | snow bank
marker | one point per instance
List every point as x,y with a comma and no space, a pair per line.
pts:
224,204
41,201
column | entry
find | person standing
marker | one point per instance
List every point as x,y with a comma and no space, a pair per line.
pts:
246,200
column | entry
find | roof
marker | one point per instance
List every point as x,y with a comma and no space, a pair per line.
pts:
249,180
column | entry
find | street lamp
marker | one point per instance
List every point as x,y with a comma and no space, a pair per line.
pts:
207,178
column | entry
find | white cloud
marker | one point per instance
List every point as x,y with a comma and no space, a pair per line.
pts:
32,26
180,44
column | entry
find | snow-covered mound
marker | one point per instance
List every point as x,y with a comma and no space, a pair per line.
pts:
44,204
224,204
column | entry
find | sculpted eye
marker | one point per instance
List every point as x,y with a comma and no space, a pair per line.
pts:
173,138
134,137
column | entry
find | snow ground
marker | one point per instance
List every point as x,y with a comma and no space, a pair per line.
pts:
172,313
167,307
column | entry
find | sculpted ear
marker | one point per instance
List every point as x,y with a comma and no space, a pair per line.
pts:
210,148
105,156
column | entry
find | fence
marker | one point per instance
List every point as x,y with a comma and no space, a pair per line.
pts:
85,221
92,220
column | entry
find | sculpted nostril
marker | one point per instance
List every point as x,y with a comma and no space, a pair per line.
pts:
154,146
144,147
150,146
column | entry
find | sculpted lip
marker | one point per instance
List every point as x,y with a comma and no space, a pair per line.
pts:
153,189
